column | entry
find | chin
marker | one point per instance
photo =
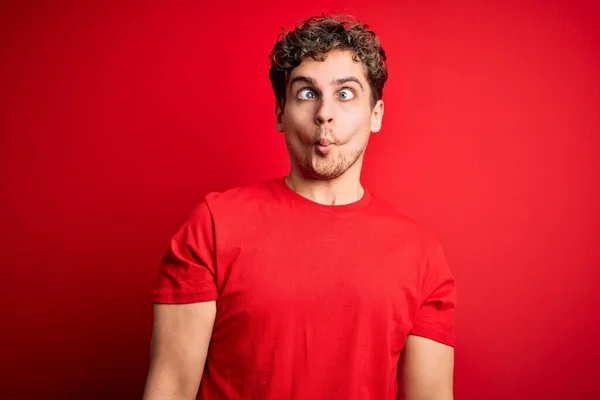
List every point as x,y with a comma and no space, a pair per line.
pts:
324,169
323,176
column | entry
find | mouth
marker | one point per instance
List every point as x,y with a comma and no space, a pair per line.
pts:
324,146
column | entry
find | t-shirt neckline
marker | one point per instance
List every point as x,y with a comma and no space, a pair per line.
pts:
296,197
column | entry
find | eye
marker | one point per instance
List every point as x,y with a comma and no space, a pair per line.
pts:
307,94
346,94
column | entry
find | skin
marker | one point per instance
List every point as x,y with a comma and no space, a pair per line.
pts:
329,100
322,104
325,101
180,341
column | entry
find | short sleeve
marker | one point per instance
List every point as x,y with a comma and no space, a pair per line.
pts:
187,271
435,316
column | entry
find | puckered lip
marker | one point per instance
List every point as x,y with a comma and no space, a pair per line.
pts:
323,142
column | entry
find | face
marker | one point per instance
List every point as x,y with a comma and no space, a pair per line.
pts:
327,117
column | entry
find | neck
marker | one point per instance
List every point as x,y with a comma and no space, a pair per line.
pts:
345,189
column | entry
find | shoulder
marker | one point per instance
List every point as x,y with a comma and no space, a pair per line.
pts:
241,194
241,199
396,221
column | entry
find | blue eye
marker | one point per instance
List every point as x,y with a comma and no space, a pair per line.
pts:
307,94
346,94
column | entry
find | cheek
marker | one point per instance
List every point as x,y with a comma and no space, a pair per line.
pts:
298,118
350,118
355,119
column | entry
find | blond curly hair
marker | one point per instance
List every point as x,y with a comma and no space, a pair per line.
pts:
315,37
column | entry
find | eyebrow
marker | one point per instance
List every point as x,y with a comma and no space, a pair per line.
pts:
339,81
304,79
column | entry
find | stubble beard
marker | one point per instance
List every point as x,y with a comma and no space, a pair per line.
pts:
332,165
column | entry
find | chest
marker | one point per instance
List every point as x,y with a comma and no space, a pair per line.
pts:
319,270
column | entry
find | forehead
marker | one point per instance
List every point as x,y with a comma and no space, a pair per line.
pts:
338,64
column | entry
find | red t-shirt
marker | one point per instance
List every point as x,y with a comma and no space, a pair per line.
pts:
313,301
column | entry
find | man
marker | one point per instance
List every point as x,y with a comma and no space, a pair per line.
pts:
307,287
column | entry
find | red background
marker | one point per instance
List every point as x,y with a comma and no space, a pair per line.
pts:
117,119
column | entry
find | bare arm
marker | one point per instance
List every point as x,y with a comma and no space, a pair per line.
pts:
180,340
427,369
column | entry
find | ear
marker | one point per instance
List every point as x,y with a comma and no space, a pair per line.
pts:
279,116
377,116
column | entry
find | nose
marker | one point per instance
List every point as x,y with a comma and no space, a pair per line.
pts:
324,114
